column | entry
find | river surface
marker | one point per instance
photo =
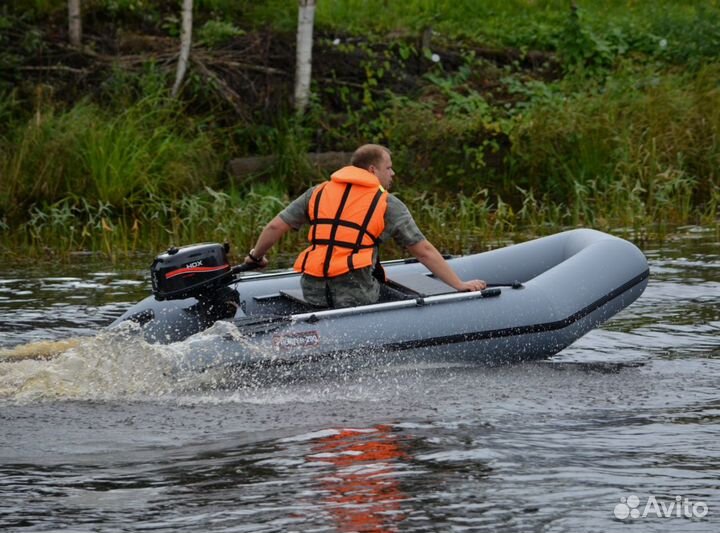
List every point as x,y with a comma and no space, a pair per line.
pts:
619,432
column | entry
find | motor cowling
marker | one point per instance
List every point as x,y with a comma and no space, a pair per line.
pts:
198,270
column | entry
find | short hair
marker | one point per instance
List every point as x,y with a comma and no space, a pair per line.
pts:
367,155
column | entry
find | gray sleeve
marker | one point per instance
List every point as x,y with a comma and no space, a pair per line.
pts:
296,213
400,225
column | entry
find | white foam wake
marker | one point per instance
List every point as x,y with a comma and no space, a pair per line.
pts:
115,363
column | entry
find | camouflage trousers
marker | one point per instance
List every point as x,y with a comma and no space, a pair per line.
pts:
359,287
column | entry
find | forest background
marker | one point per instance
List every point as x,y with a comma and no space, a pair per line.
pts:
506,118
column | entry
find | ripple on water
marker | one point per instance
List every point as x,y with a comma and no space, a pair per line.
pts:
105,437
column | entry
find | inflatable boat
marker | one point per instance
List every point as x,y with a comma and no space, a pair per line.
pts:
542,295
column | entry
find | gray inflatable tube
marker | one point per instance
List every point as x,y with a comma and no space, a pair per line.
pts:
544,294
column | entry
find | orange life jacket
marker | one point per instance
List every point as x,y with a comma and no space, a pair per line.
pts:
347,217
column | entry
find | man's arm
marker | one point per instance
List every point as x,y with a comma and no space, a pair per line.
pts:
292,217
271,234
428,255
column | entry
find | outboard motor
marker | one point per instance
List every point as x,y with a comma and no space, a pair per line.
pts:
199,271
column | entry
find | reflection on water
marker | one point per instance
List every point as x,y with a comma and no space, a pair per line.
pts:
103,438
361,486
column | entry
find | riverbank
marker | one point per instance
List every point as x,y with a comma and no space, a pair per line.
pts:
536,120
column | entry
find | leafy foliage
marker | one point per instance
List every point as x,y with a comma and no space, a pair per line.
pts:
215,33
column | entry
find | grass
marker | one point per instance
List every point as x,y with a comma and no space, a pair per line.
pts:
75,224
116,158
455,224
645,143
690,29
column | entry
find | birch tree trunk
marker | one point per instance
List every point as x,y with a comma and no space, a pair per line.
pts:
185,44
303,68
74,23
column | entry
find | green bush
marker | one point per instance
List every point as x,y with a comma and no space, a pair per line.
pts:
443,152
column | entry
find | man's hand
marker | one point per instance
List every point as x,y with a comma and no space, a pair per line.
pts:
428,255
472,285
271,234
253,259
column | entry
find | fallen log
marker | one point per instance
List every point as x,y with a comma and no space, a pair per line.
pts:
246,167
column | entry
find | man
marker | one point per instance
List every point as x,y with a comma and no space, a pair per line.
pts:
349,216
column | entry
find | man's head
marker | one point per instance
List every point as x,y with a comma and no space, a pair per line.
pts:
375,159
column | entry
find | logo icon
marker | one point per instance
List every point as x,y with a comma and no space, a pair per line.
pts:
628,507
680,507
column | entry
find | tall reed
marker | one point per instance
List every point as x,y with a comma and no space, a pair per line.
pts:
643,149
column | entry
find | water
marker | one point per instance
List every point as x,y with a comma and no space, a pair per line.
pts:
624,421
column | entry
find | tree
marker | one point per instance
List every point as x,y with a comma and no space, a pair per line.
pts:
185,44
74,23
303,68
